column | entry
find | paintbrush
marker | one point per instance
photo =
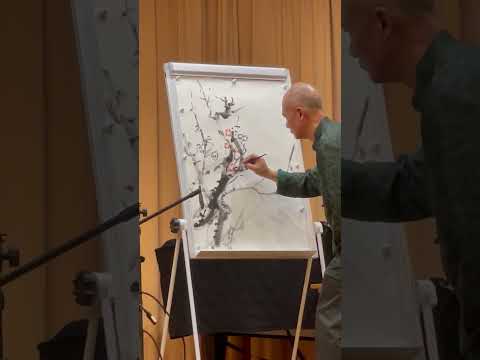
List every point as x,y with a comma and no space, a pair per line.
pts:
252,161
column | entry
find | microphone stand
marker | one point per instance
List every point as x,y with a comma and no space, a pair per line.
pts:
175,227
168,207
125,215
12,257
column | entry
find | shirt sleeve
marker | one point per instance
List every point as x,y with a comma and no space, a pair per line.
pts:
294,184
386,191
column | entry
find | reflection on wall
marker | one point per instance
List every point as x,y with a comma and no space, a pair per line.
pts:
379,298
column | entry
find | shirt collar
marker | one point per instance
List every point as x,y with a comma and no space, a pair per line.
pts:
319,130
426,67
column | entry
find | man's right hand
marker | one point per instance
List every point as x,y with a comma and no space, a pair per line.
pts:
259,167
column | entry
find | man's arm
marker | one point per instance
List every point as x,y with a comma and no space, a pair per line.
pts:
386,191
305,184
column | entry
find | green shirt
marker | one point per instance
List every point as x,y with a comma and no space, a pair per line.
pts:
324,179
443,178
447,95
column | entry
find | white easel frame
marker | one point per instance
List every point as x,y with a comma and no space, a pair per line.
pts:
172,72
182,237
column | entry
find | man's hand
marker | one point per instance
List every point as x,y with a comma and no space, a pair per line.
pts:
259,166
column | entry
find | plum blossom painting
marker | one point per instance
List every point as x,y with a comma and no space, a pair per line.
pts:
219,115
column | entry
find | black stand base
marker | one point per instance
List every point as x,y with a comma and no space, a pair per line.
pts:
2,306
69,343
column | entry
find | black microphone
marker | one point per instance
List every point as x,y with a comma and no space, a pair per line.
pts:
172,205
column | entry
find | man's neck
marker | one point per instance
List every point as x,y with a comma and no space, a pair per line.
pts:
315,124
419,44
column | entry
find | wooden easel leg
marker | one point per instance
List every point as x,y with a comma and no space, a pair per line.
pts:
302,308
428,299
166,320
190,296
90,342
321,251
111,340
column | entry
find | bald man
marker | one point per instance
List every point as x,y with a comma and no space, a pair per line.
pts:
400,41
302,109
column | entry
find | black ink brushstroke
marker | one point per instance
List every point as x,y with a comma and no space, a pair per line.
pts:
213,204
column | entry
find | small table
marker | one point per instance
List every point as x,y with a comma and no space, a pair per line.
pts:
238,296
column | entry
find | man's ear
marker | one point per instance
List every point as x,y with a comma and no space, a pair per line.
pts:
299,110
384,21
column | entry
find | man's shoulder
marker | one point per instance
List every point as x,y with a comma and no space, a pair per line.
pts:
457,76
328,147
334,132
333,124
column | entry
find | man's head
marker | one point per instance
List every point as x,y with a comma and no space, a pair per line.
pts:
302,108
389,36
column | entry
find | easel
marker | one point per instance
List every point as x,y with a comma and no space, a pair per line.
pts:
279,78
427,295
101,307
318,238
178,226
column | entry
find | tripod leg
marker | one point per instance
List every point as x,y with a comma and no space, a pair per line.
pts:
302,308
171,287
92,330
190,296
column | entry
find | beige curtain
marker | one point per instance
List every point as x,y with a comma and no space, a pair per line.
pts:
470,12
48,191
302,35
